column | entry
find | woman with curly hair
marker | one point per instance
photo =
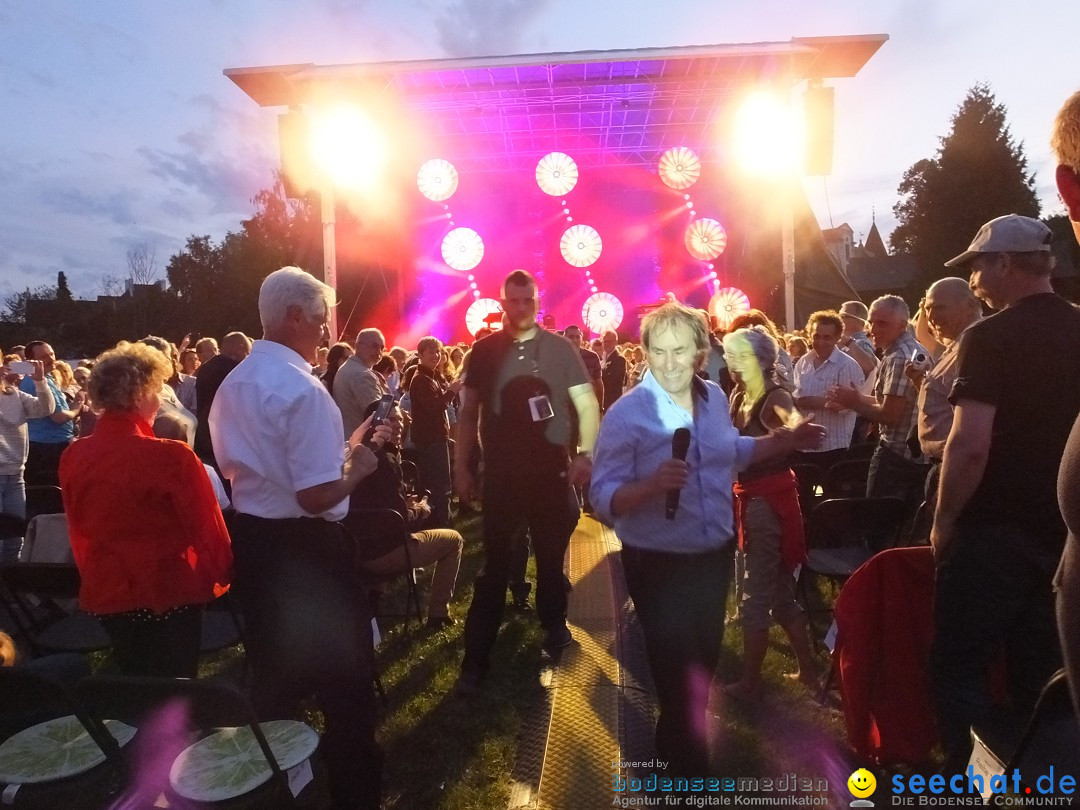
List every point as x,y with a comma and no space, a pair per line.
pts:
146,530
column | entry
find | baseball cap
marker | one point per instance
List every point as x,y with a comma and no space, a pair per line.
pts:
854,309
1008,234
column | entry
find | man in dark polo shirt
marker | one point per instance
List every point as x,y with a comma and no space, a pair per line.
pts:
998,532
521,387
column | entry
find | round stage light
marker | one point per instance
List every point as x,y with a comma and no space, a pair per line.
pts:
556,174
462,248
705,239
602,312
727,304
437,180
580,245
679,168
483,312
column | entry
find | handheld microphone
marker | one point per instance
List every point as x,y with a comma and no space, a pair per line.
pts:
680,443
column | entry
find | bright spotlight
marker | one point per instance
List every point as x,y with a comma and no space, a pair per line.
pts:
766,135
348,147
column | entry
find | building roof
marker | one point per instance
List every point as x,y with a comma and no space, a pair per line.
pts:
874,273
874,245
497,112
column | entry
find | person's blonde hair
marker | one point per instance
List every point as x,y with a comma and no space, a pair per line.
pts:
1065,139
667,316
123,374
63,370
7,650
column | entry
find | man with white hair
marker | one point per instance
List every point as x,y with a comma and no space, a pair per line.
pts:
277,436
893,471
356,386
998,533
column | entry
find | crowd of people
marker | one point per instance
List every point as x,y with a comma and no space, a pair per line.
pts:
684,442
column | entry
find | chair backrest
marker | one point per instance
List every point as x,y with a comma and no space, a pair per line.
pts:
43,499
874,523
847,479
809,477
44,580
47,540
1052,736
376,531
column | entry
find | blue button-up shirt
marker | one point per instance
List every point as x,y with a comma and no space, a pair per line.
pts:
635,437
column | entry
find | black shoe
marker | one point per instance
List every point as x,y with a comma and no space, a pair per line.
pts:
558,639
439,622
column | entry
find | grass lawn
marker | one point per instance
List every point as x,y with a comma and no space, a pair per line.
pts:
445,753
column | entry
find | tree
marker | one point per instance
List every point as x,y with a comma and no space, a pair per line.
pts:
63,293
16,304
142,264
979,173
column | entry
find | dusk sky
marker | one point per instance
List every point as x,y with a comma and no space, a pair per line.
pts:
120,129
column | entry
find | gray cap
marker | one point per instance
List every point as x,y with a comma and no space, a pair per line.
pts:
1009,234
854,309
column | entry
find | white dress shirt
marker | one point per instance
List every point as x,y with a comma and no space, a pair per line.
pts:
276,431
814,381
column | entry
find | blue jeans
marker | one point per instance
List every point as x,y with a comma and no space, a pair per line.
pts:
13,502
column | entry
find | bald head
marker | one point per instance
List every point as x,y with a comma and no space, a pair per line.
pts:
951,307
236,346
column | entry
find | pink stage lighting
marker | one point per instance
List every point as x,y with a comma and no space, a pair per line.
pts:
580,245
556,174
462,248
437,180
483,312
705,239
602,312
679,168
727,304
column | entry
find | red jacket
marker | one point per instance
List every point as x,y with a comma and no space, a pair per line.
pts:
884,619
145,527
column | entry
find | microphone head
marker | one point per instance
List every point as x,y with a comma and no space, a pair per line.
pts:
680,443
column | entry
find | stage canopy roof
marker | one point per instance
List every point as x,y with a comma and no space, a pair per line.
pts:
495,113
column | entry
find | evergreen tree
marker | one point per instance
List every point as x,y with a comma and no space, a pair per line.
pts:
979,173
63,293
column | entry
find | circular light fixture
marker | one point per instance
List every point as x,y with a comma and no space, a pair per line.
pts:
705,239
679,167
580,245
437,180
481,313
462,248
727,304
556,173
602,312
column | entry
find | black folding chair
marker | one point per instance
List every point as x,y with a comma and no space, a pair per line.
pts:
208,706
378,532
43,499
85,777
841,535
811,480
43,597
847,479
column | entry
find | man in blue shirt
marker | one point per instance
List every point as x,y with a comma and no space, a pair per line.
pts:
678,569
50,435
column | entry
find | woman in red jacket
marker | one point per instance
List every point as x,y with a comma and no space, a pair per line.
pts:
146,530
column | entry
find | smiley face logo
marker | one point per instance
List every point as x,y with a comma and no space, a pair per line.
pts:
861,783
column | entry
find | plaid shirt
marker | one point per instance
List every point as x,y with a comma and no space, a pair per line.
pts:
892,382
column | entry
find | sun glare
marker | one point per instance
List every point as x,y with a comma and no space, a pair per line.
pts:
348,147
766,135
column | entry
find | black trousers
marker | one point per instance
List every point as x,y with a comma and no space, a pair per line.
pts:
308,630
544,502
43,463
992,592
160,648
680,599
